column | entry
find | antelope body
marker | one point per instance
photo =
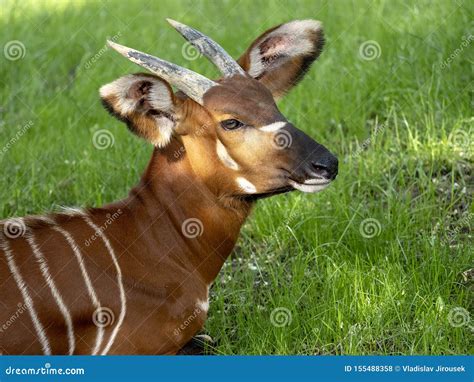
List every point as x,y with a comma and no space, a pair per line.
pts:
133,277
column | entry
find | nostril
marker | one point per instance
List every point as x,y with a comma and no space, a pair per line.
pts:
320,170
326,168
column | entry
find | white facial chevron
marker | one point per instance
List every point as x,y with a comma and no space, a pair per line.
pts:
273,126
224,156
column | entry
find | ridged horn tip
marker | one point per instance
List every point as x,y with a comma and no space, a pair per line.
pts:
191,83
174,23
209,48
123,50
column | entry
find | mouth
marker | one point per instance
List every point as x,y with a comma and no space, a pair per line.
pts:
310,185
277,191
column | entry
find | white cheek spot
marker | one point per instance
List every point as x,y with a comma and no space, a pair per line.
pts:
224,156
246,185
273,126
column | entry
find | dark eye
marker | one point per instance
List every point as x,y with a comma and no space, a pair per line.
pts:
231,124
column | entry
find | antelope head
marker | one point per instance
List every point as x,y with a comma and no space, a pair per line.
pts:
236,139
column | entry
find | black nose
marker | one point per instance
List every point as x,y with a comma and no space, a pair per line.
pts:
325,167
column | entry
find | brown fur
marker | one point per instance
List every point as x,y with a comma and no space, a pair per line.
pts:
166,273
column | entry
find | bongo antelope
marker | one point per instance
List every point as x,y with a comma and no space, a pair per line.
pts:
133,277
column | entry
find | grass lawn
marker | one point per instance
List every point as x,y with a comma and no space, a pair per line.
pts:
376,264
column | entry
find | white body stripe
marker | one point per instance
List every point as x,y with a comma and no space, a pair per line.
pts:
224,156
123,301
273,127
246,185
26,297
90,288
71,211
54,291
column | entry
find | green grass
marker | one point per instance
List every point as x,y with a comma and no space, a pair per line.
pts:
393,293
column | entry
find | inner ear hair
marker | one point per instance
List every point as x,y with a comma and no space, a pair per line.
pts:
281,56
145,103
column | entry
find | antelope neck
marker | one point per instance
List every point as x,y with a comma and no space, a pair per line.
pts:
170,192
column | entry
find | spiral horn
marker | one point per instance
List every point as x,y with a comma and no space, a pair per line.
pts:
209,48
191,83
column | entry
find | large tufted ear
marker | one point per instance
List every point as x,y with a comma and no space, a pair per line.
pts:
281,56
145,103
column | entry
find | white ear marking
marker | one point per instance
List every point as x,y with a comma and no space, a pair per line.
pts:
125,99
291,39
273,126
256,67
246,186
166,129
224,156
159,96
119,89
